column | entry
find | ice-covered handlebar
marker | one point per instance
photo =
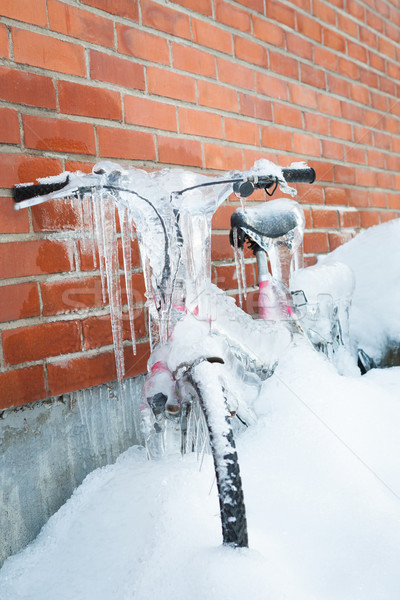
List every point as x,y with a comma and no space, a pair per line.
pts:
24,192
85,183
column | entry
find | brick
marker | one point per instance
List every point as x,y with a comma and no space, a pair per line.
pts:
284,65
251,106
222,157
225,277
388,216
78,165
299,46
43,133
375,158
315,242
355,154
338,85
179,152
352,112
329,105
288,115
332,150
149,113
336,196
18,168
68,375
12,221
80,24
385,180
386,47
394,201
56,215
27,258
243,132
309,26
211,36
126,143
27,344
48,53
202,6
222,218
367,77
19,301
76,99
272,137
316,123
257,5
340,129
369,218
356,51
324,12
135,365
325,58
374,21
232,16
311,194
165,19
337,238
27,88
9,126
172,85
350,218
366,177
281,13
302,96
393,163
28,12
344,174
250,157
250,52
376,62
271,86
120,8
97,331
113,69
313,76
141,44
268,32
217,96
236,74
333,40
382,140
348,68
356,9
324,171
193,60
220,247
362,135
4,49
21,386
368,37
202,123
324,219
306,145
68,295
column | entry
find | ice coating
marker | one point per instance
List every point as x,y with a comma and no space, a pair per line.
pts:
171,211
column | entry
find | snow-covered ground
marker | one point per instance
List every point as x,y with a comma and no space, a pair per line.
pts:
321,481
322,489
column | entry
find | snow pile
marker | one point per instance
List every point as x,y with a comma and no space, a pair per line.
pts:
322,490
374,257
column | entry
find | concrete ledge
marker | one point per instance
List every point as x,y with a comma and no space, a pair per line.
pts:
47,448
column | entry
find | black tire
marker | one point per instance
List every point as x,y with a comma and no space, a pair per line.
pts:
223,449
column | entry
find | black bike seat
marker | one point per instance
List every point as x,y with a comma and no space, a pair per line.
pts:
272,219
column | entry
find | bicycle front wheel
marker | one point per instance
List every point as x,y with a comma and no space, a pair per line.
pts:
208,409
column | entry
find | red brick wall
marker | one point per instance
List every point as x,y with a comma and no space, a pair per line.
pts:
210,84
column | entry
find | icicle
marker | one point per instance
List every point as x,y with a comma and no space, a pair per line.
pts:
108,224
97,200
89,225
127,255
240,267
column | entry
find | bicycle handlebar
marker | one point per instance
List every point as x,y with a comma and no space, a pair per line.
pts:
30,194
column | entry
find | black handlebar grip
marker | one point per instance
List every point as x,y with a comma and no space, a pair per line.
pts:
24,192
293,175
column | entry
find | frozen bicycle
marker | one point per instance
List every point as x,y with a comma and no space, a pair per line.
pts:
199,358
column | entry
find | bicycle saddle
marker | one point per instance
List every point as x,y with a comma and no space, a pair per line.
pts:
272,219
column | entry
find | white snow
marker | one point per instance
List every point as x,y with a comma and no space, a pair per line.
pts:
374,257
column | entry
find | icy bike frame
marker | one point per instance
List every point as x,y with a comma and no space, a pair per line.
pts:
109,179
